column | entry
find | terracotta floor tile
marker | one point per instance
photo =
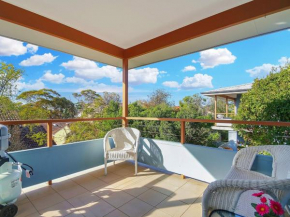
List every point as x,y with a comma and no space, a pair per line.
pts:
136,208
97,209
37,193
22,199
172,207
194,210
157,213
72,192
117,198
47,201
110,177
93,184
62,209
26,209
152,197
84,200
62,185
116,213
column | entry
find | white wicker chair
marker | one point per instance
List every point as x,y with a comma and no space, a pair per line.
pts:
224,194
126,141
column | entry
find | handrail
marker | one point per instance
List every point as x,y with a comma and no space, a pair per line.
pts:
45,121
263,123
225,113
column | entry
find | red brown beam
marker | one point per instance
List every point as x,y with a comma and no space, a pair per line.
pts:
28,19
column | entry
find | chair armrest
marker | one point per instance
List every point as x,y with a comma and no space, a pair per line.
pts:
137,143
283,184
233,187
106,143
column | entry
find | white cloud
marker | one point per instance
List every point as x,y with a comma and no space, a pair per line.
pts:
37,60
263,70
260,71
189,83
76,80
32,48
214,57
23,86
197,81
100,87
284,60
189,68
172,84
52,78
9,47
194,61
145,75
88,69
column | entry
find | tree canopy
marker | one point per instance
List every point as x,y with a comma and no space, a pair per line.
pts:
9,75
268,100
45,103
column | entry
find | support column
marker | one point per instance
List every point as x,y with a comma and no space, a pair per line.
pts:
49,141
125,93
215,106
227,106
235,108
182,132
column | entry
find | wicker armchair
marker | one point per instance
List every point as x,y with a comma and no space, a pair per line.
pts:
224,194
126,141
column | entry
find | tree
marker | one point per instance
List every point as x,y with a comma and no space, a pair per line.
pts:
9,75
193,107
158,97
268,100
85,99
97,106
45,103
108,97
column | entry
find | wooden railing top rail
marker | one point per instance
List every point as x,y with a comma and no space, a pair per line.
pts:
264,123
57,120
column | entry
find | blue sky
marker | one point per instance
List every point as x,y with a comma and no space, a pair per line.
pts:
227,65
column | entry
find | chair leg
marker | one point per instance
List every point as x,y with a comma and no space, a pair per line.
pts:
136,165
105,166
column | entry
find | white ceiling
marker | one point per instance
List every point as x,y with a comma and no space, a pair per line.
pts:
260,26
126,23
21,33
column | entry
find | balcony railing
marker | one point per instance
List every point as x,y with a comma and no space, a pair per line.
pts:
182,122
126,119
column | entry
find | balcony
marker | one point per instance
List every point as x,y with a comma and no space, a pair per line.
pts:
171,180
172,176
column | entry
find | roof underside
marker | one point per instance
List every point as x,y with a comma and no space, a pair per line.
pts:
129,23
231,92
126,23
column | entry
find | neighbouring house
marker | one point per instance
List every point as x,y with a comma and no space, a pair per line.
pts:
59,132
234,94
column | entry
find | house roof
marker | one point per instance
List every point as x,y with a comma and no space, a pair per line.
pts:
142,31
229,91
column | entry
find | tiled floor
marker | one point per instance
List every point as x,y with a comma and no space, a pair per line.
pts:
118,194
